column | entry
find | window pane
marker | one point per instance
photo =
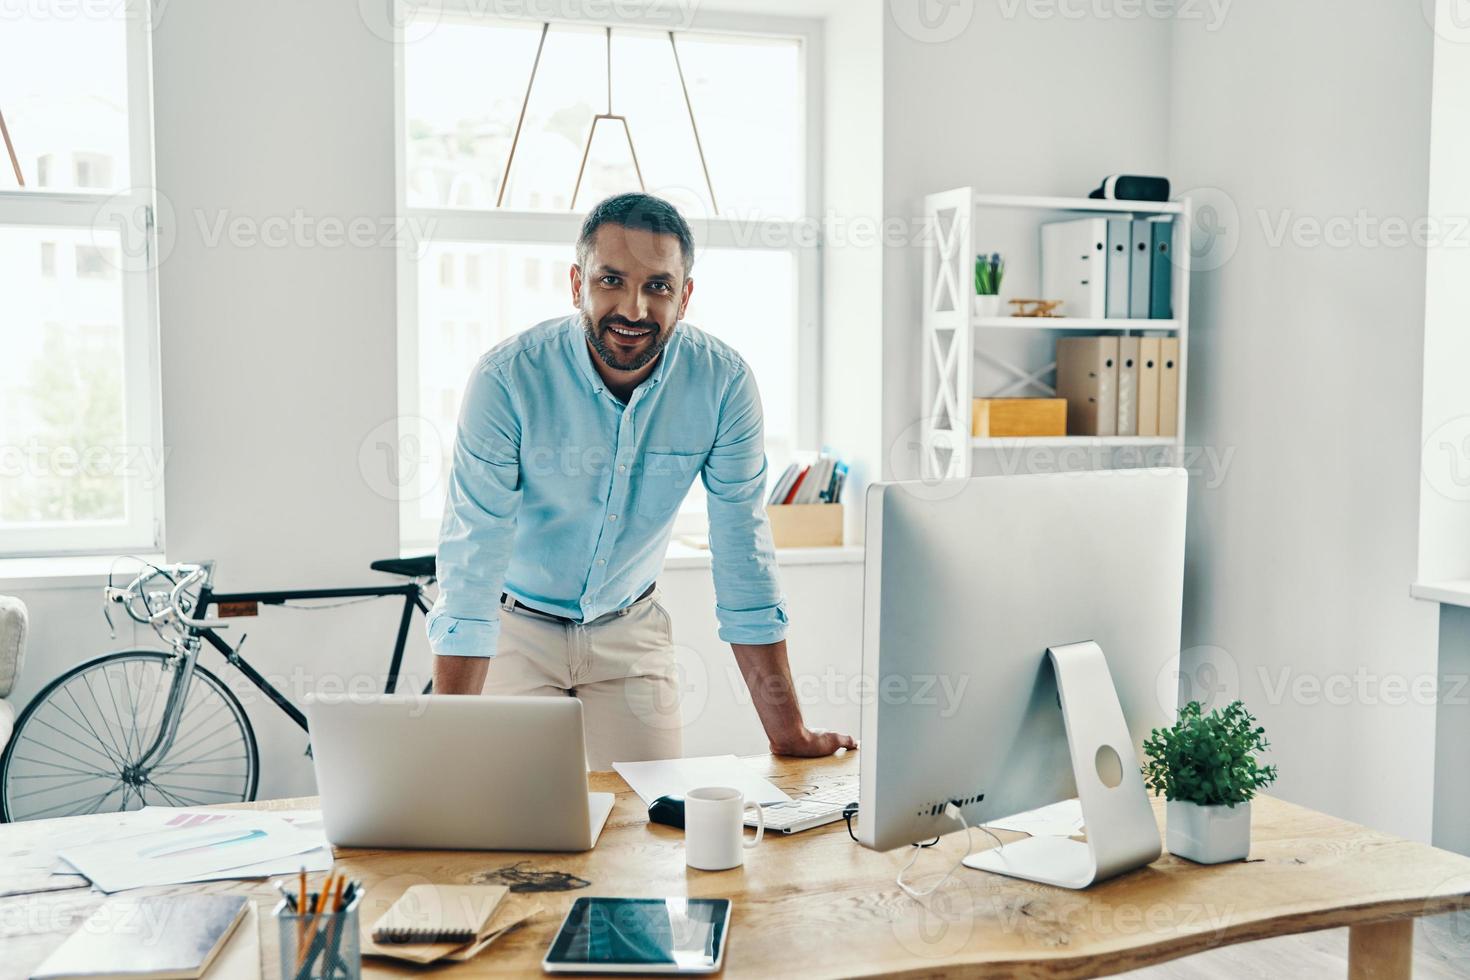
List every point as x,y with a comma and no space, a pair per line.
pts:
457,325
63,92
62,418
465,83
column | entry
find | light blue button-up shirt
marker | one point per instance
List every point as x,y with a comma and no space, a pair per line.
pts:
564,498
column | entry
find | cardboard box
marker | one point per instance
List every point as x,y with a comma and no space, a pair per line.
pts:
997,418
806,525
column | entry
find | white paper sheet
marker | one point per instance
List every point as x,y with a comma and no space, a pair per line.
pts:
1062,819
675,777
190,846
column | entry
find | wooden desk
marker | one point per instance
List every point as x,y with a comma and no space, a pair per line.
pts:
818,905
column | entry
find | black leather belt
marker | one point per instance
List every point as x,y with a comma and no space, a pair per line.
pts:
518,604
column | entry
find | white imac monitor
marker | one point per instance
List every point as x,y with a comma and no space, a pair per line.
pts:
1021,634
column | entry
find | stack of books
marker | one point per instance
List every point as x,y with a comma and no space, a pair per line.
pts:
819,483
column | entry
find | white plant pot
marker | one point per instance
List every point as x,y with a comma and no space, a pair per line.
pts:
1209,834
987,305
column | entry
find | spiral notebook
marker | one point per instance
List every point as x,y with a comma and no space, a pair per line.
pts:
439,914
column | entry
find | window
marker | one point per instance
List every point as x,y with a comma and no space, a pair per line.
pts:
80,466
94,262
94,170
461,88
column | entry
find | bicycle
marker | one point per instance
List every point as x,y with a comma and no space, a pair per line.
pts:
145,727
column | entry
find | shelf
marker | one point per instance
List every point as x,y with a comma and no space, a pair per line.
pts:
1078,204
1071,323
1027,442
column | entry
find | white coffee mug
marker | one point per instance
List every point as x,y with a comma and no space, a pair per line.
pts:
714,824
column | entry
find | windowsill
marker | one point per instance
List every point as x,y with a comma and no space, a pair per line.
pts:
1455,592
61,571
681,555
90,571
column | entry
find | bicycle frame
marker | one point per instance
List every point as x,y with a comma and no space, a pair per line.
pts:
413,595
194,627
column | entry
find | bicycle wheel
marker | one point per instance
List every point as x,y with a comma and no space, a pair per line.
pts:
77,745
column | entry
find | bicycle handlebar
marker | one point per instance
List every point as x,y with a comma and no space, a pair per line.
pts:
173,608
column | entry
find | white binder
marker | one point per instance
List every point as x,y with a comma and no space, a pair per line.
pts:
1074,265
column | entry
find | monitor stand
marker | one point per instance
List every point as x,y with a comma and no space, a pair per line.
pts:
1121,831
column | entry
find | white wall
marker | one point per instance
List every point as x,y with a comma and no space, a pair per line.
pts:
1306,363
1011,102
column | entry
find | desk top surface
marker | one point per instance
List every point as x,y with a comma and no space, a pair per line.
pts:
817,904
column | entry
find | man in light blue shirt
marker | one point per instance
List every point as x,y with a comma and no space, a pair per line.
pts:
578,440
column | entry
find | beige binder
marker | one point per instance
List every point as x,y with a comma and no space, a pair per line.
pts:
1148,386
1087,377
1169,386
1128,386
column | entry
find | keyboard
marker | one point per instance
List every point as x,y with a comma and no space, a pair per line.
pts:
814,809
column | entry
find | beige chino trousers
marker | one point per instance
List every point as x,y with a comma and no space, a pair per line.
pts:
620,665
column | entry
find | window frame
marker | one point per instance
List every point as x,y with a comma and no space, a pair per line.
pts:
800,235
131,210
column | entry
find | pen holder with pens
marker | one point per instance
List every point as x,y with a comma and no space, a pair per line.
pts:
320,946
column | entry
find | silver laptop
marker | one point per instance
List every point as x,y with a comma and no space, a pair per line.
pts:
449,772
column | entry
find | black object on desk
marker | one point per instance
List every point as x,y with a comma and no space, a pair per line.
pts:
667,810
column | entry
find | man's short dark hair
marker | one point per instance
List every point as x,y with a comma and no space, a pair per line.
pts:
641,212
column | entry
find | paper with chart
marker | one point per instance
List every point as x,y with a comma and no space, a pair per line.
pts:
675,777
191,846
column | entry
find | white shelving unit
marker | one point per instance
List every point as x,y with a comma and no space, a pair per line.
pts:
955,338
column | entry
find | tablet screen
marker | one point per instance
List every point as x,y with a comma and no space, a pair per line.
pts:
677,934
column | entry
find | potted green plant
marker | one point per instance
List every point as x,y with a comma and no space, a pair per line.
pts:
1207,767
989,271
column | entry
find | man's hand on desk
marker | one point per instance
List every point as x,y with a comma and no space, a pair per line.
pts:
808,744
767,674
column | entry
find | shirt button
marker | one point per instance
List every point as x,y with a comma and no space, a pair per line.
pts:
622,468
612,517
602,561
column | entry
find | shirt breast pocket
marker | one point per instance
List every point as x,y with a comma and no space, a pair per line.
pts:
666,479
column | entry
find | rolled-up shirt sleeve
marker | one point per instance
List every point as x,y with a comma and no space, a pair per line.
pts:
479,523
748,600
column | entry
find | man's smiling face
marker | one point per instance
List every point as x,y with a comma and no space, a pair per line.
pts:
632,289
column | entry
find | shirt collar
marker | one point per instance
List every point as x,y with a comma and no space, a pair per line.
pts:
582,355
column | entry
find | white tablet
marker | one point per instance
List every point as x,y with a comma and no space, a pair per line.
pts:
641,935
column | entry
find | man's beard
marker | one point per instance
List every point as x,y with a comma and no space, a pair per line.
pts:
596,336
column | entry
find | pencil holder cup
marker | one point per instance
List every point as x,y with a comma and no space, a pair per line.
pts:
320,947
